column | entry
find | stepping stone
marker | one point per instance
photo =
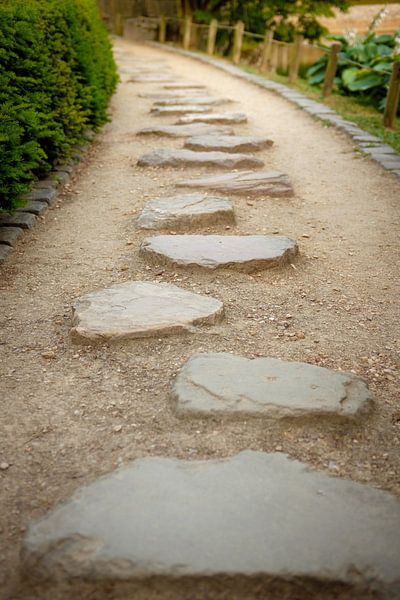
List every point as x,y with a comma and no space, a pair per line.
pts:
228,143
227,385
242,253
207,100
223,118
9,235
173,95
253,515
177,131
165,111
184,86
247,183
35,207
183,158
140,309
5,252
18,219
151,79
187,210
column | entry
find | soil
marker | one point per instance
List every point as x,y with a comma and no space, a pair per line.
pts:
71,413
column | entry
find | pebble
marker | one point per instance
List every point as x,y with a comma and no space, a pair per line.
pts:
4,466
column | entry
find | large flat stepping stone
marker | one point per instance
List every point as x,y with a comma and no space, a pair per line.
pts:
227,143
185,211
194,100
250,515
178,109
227,385
184,86
243,253
173,94
223,118
140,309
177,131
247,183
152,78
183,158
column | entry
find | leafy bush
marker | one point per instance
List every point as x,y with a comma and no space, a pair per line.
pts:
364,67
57,74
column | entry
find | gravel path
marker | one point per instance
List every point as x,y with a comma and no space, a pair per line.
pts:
71,413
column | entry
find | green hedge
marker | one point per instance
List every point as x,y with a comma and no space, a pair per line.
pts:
57,74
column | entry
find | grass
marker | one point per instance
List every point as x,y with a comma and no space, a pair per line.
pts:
349,108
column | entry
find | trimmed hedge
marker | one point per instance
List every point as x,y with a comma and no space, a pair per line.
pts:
57,74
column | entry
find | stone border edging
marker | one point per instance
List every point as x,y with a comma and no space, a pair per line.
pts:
368,144
42,195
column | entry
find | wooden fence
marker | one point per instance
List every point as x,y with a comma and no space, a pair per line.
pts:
261,51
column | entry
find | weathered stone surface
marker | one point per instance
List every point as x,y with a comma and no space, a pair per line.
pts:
253,514
177,131
178,109
228,385
152,78
243,253
9,235
141,309
227,143
222,118
48,195
5,252
173,95
35,207
185,211
247,183
18,219
182,158
206,100
184,86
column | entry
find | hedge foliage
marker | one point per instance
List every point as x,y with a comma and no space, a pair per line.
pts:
57,74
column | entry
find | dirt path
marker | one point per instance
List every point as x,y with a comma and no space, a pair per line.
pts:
67,419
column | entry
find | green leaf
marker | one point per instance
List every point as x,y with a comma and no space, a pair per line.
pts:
366,79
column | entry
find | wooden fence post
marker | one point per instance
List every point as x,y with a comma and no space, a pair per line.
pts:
212,34
187,32
331,69
295,60
162,32
237,42
119,24
392,98
266,53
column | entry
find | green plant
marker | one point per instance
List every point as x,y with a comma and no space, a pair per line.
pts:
56,76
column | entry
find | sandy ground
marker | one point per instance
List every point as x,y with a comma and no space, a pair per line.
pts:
68,419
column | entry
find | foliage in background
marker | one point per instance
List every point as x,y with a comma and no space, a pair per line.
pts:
364,67
286,16
57,74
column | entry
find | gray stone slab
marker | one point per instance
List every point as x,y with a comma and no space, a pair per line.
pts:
9,235
178,109
246,183
5,252
48,195
222,118
177,131
50,182
250,515
183,158
173,94
152,78
185,211
228,143
141,309
18,219
184,86
228,385
243,253
35,207
196,100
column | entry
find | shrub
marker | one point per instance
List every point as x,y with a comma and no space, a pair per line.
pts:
57,74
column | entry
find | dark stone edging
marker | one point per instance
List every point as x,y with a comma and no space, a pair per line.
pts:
367,143
42,196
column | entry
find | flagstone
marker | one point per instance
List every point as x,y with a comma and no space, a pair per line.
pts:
228,143
207,100
177,109
177,131
223,118
138,309
185,211
228,385
165,157
243,253
246,183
